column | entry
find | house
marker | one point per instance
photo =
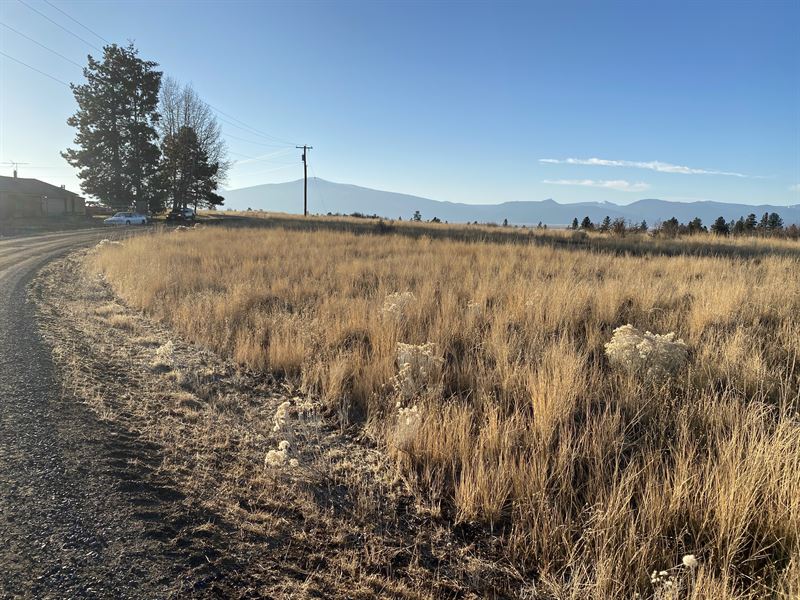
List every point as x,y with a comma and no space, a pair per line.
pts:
21,197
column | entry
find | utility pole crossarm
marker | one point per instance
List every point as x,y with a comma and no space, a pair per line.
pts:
305,177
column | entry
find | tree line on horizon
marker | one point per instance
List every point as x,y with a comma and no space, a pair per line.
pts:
144,140
770,224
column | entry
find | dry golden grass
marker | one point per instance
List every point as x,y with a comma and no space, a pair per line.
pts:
589,479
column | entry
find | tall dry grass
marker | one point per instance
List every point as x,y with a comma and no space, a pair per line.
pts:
589,479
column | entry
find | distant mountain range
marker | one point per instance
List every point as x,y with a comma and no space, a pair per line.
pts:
326,196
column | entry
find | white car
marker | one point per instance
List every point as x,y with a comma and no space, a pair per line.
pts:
126,218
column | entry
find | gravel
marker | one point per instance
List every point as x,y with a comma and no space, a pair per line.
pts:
79,502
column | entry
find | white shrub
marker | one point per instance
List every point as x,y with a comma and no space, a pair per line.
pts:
281,415
408,421
165,353
395,305
649,355
280,457
418,367
105,242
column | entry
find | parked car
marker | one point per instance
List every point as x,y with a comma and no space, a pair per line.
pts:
126,218
182,214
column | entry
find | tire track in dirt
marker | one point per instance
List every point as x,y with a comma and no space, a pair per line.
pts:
83,512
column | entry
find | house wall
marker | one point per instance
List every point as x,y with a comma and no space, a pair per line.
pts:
6,206
78,206
30,206
53,207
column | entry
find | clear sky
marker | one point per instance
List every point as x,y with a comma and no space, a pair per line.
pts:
461,101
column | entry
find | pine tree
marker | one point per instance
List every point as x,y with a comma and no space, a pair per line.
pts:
750,223
117,154
606,224
587,224
696,226
671,227
575,223
191,178
775,223
720,226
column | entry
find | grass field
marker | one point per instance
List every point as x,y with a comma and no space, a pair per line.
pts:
480,367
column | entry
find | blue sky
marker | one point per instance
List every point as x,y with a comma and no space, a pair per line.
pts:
467,102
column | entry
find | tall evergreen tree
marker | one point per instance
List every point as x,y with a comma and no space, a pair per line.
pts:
192,177
117,154
696,226
720,226
750,223
671,227
775,222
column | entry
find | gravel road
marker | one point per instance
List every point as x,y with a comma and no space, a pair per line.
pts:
69,497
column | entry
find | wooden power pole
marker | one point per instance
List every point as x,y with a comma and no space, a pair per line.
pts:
305,177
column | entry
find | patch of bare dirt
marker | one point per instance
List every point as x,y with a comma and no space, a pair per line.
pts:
242,477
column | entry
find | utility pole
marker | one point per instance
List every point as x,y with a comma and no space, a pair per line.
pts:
305,177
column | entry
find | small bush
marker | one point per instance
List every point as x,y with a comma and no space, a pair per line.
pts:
395,304
648,355
419,369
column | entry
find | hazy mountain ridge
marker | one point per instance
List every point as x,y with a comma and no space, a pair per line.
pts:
326,196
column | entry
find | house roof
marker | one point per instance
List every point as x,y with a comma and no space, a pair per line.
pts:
33,187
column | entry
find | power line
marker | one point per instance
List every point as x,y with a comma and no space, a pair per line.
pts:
263,158
242,124
92,31
34,69
278,168
79,65
27,37
253,129
249,130
251,141
72,33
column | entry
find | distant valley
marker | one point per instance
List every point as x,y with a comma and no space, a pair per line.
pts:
326,196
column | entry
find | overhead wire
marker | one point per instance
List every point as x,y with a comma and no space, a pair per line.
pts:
92,31
262,158
72,33
32,68
233,120
223,116
244,125
30,39
252,142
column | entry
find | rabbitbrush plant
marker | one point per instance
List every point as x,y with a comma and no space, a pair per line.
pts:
648,355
